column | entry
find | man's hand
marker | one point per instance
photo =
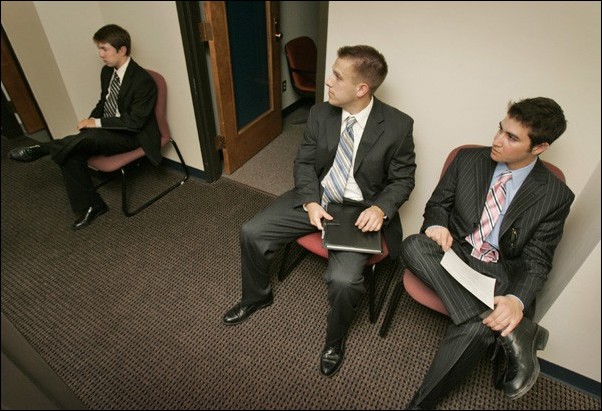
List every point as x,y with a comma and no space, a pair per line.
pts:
441,236
371,219
86,123
316,213
507,315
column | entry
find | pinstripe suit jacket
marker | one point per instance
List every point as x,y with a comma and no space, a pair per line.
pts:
384,163
532,226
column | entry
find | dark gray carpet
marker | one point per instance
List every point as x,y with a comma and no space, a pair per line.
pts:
128,311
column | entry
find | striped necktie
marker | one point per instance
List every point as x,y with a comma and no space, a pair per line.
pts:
494,204
335,181
110,109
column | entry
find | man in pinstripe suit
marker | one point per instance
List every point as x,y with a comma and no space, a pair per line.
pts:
524,238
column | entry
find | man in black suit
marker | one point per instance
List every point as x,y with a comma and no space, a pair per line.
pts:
519,252
122,120
382,178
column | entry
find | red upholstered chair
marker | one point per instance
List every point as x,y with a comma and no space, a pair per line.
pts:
313,243
417,289
301,56
122,161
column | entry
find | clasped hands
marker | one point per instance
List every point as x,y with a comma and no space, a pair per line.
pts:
86,123
508,311
371,219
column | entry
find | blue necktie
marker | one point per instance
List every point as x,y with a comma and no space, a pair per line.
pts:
335,181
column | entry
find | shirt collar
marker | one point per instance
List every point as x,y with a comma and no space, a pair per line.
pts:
121,70
518,175
362,116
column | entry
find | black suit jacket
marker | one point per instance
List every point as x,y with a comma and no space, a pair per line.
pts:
384,164
532,226
136,102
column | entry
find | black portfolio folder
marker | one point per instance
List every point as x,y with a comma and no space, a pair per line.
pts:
342,234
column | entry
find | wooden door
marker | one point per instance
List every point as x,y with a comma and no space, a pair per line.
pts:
245,59
18,90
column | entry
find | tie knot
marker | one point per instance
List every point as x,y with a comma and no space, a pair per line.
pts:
350,121
506,175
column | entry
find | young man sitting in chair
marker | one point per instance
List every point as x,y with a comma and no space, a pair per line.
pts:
122,120
502,212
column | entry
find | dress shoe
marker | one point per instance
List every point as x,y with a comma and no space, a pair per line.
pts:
240,312
27,154
520,347
332,358
89,215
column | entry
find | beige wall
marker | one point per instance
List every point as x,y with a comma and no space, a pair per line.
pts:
53,41
453,67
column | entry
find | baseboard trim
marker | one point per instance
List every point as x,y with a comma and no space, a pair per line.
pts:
570,377
176,166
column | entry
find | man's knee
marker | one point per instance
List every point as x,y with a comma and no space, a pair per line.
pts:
413,245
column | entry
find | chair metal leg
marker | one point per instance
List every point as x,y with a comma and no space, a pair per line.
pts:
388,280
369,274
393,303
124,206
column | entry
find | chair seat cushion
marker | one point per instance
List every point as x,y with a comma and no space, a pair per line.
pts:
313,243
422,293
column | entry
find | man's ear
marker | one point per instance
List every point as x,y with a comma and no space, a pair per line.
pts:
362,90
540,148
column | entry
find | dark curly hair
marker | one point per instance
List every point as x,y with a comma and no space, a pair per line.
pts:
542,115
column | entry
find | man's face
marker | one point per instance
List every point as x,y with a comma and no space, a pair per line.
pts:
110,56
342,84
512,145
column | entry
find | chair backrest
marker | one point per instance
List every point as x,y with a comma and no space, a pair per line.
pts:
555,170
301,56
161,106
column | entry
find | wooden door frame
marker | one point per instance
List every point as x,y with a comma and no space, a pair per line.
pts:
195,52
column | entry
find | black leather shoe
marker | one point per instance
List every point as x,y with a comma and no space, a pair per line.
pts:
239,312
332,358
27,154
520,347
89,215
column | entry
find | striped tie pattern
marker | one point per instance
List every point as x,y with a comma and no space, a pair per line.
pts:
335,181
110,109
494,203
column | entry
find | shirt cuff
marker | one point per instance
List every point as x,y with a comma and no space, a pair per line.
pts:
97,122
519,300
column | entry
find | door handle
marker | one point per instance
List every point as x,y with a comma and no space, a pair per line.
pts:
277,32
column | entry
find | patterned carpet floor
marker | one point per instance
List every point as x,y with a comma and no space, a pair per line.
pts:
128,311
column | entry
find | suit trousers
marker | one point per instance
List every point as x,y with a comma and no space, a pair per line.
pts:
71,154
279,224
466,339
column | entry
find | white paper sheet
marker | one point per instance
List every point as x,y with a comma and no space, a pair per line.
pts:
478,284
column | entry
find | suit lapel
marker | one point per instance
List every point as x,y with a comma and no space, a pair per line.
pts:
484,169
532,189
374,129
127,81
